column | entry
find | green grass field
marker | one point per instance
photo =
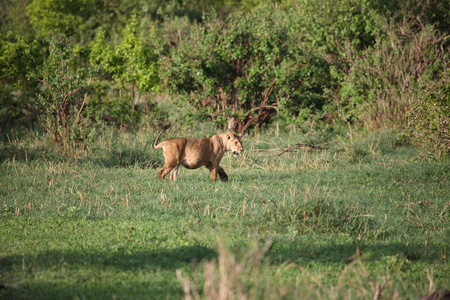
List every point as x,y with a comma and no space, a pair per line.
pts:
365,218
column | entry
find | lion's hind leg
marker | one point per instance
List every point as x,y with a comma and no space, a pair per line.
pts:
171,162
166,169
174,173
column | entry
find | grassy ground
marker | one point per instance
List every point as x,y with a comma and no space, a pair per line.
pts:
367,215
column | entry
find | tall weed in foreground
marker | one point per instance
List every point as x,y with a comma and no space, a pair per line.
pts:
228,277
245,275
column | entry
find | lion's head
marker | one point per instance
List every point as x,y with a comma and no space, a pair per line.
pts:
234,143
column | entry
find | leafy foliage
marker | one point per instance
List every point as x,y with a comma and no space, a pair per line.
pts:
242,71
133,63
359,61
429,125
65,87
54,16
17,59
326,25
380,82
14,19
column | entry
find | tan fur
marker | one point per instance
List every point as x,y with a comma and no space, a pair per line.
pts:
192,153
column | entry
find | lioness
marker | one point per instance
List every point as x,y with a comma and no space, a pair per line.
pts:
192,153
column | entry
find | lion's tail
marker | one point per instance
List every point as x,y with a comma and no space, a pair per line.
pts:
159,134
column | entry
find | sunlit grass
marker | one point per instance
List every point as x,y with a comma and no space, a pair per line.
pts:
338,222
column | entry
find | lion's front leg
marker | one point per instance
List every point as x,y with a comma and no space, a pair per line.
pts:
213,172
223,176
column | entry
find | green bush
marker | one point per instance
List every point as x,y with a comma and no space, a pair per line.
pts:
242,71
380,83
429,120
17,59
56,17
65,86
327,25
133,64
377,52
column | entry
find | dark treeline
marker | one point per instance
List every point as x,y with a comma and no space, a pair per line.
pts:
70,66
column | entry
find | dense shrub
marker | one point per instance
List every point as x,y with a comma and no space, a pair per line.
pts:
63,95
360,61
17,59
55,17
243,71
133,64
380,83
429,120
377,52
327,25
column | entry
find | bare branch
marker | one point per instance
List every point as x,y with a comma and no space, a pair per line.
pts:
298,146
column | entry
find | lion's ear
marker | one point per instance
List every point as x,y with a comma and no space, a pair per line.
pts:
229,135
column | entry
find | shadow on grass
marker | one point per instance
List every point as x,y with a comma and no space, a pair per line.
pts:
122,273
94,289
12,152
125,272
116,260
149,158
125,158
342,253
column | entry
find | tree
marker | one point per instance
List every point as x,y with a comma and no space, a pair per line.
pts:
63,96
55,16
13,18
133,64
243,71
18,59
